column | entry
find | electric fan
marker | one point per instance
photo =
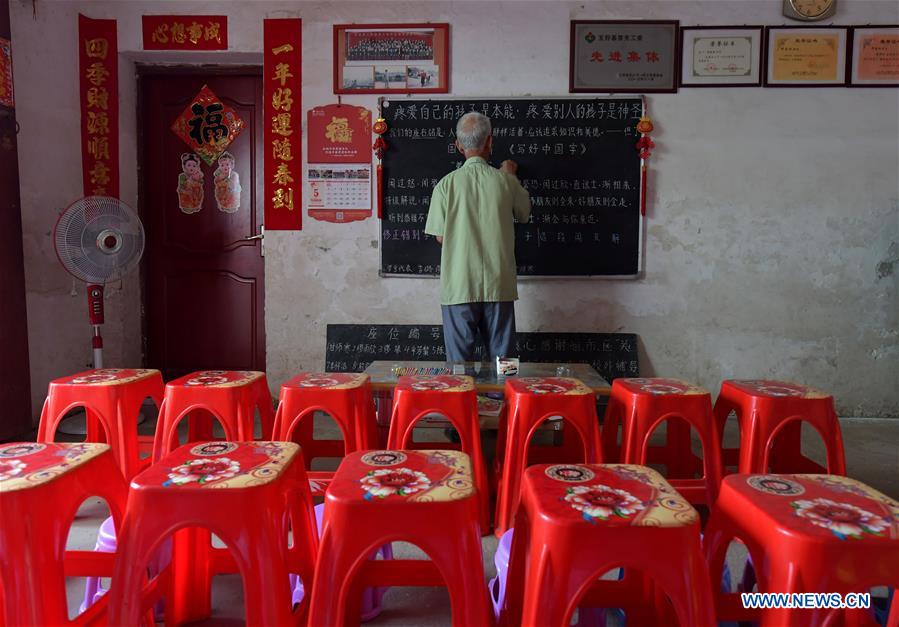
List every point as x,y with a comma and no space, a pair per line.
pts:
98,239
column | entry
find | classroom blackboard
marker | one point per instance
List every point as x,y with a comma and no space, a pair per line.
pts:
577,158
352,347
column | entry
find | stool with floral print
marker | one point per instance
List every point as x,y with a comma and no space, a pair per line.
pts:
346,397
547,385
530,401
804,533
231,396
426,497
769,416
578,521
435,383
639,406
111,398
250,494
453,396
42,485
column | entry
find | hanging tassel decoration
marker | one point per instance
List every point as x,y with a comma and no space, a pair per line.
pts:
644,146
380,147
380,194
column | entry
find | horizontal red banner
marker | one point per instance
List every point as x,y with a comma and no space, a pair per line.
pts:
185,32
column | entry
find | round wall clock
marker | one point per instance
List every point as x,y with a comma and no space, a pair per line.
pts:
809,10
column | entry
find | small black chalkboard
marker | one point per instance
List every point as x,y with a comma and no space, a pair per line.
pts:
352,347
577,158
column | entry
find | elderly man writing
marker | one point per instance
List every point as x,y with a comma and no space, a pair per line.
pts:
471,216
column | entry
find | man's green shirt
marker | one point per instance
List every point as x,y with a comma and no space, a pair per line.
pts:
473,209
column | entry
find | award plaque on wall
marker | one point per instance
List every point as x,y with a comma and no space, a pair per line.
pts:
874,54
623,56
721,56
806,56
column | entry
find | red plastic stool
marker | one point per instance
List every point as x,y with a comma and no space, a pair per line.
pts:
804,533
530,401
112,398
770,416
578,521
453,396
247,493
42,485
346,397
641,405
421,496
229,395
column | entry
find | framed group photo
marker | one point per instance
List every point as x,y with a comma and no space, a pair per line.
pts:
874,56
806,56
721,56
623,56
391,58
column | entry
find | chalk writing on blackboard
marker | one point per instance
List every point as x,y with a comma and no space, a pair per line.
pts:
577,159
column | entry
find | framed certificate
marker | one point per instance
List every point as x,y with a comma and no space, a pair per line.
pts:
874,56
806,56
721,56
623,56
391,58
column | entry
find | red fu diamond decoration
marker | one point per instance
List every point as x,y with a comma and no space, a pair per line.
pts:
208,125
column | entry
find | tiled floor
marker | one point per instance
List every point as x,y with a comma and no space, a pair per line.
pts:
872,453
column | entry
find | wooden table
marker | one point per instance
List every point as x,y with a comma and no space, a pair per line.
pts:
384,378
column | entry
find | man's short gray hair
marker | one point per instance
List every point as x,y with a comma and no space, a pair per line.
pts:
472,130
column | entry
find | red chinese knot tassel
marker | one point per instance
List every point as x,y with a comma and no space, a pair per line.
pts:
644,146
380,147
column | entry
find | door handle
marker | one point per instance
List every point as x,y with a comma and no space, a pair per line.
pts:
260,237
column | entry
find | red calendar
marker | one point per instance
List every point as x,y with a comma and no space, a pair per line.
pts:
338,177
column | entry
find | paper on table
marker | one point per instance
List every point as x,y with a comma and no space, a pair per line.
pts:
489,406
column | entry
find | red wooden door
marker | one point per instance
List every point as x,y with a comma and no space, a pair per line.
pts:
15,388
204,280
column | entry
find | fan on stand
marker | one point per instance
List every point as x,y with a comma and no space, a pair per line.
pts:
98,239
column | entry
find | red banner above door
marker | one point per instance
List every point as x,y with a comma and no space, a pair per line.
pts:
185,32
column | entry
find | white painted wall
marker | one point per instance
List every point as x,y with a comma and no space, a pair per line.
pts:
773,222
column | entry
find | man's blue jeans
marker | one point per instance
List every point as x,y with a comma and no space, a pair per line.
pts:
495,321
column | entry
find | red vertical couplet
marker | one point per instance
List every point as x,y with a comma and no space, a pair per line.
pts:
6,85
282,43
98,70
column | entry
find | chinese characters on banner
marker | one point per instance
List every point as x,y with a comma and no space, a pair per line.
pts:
6,93
339,172
185,32
282,132
98,71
